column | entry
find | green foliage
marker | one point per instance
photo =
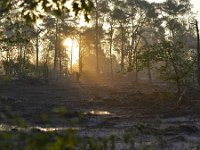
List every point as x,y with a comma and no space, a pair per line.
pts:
23,138
113,141
173,7
8,67
30,8
7,79
173,61
35,140
20,68
176,65
60,110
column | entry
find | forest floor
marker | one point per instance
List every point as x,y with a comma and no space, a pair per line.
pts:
100,110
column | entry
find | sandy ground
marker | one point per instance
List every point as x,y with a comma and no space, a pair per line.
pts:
103,109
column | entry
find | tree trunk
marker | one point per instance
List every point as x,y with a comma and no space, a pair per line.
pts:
24,58
20,58
198,52
136,59
122,49
37,51
136,66
111,41
60,52
130,54
97,39
56,51
80,54
133,38
176,71
71,65
148,62
149,72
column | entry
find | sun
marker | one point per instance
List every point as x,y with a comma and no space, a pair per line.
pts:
72,48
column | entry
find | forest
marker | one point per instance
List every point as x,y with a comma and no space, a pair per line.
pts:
99,75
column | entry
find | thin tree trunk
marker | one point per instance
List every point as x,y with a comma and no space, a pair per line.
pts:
80,54
24,58
60,52
37,51
56,50
46,66
177,77
149,72
148,62
130,54
198,52
97,39
122,49
111,40
20,58
132,41
136,67
72,46
136,61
